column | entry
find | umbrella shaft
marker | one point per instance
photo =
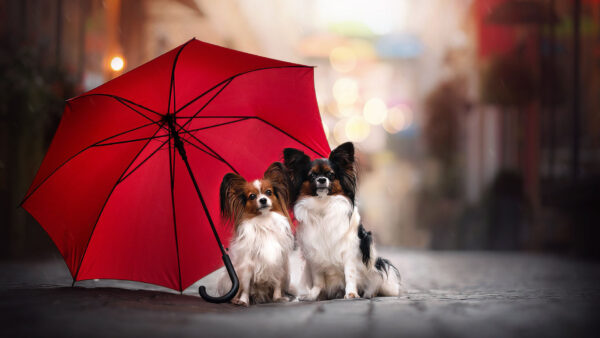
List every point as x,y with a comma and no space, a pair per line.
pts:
179,145
235,284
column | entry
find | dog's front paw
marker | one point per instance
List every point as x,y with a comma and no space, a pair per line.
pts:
240,302
307,298
312,295
281,300
351,295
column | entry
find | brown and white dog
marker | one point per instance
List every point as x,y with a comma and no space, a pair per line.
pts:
339,253
263,238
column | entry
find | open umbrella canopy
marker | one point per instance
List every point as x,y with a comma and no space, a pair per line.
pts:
116,197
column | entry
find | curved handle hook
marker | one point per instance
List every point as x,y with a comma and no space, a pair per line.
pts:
235,285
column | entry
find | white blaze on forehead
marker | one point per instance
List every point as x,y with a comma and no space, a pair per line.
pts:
264,208
256,184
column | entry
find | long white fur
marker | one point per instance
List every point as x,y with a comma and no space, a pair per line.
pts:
259,253
328,237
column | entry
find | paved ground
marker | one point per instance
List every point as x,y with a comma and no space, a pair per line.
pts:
446,294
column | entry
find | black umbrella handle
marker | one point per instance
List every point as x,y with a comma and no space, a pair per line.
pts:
235,285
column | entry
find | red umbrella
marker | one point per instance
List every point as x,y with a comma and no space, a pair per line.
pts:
117,199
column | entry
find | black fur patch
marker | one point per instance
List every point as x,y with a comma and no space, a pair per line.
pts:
366,240
298,165
342,160
384,265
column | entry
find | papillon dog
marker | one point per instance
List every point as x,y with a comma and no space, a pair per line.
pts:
263,237
339,253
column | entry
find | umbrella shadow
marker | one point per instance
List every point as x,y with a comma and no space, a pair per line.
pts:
82,298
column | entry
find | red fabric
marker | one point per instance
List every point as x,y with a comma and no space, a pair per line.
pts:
104,192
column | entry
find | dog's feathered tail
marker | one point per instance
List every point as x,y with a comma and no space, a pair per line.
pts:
391,278
389,274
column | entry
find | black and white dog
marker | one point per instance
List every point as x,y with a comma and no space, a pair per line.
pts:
339,253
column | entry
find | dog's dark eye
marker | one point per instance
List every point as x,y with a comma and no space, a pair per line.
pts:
312,176
252,196
330,175
268,192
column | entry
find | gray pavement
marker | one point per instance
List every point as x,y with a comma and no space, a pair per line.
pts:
446,294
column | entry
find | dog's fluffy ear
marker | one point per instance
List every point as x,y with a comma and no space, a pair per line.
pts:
298,165
232,197
342,160
278,175
343,155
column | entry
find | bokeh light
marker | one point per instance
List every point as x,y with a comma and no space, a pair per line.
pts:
357,129
399,118
339,131
117,63
345,90
347,110
343,59
375,111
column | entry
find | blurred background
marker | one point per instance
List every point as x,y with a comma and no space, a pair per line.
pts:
477,121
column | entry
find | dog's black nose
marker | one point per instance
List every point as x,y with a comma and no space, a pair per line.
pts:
322,180
263,200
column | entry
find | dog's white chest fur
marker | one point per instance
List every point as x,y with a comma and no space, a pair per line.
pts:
262,244
324,230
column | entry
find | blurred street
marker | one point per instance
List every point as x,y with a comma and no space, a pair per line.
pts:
449,294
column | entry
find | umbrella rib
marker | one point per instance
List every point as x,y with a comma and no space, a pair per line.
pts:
247,118
172,178
116,97
77,154
215,117
172,164
144,161
190,102
172,85
202,150
161,136
139,113
129,141
233,77
289,135
216,155
185,131
204,93
106,202
189,131
206,104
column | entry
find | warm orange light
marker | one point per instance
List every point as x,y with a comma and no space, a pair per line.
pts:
117,63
